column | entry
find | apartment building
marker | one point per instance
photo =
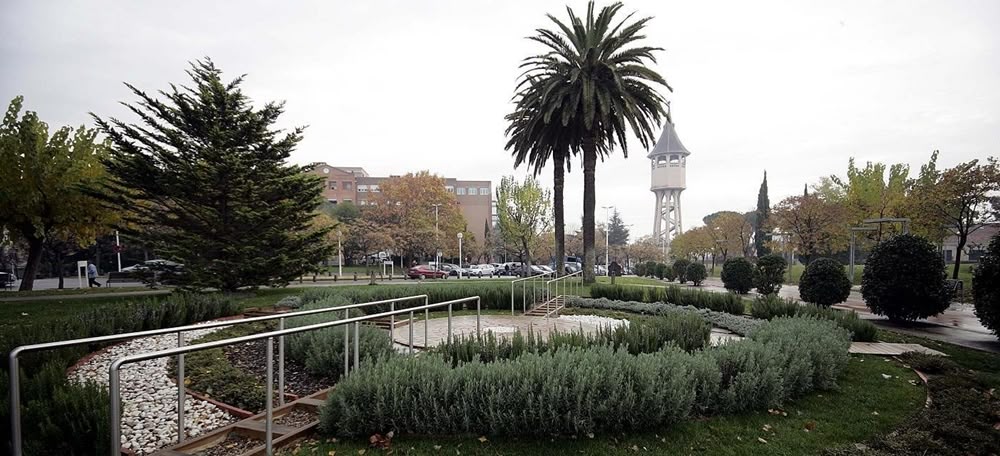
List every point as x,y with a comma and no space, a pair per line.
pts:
353,184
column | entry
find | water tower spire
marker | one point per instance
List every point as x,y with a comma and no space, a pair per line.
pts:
668,161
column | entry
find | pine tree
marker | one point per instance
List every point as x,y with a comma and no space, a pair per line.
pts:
204,180
617,231
760,230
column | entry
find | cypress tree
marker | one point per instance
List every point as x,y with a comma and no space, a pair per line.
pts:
203,179
760,234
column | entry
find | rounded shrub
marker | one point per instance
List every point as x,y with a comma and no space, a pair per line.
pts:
769,274
668,273
986,287
640,269
737,275
661,271
824,283
650,269
904,279
696,273
680,269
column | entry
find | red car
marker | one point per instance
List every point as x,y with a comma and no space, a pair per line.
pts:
424,271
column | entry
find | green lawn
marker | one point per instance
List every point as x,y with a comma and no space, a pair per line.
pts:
865,405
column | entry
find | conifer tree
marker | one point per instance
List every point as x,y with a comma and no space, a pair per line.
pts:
760,230
203,178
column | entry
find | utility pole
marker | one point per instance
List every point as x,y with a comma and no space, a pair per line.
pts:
118,250
607,236
437,242
459,254
340,256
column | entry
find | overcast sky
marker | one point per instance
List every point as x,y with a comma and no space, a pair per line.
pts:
397,86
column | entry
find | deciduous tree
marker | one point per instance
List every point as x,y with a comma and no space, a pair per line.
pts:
46,182
817,226
523,212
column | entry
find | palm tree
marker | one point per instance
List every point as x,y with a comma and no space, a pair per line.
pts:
591,86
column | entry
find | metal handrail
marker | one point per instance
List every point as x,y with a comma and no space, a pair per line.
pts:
114,379
566,283
523,280
15,391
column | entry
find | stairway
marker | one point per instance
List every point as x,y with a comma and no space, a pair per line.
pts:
383,323
548,308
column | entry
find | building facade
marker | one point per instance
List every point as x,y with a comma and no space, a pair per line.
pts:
353,184
975,245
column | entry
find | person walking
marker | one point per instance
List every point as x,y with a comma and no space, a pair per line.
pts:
92,276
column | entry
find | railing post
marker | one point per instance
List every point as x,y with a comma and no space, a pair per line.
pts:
427,317
269,409
347,343
181,394
478,315
512,298
392,322
114,389
15,405
524,296
411,332
449,323
281,363
357,344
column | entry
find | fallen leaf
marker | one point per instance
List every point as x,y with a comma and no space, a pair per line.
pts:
886,376
332,453
590,435
810,426
437,447
635,448
483,439
362,451
875,413
761,440
767,428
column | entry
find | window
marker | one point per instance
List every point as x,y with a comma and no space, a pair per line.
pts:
661,160
484,191
675,160
460,191
348,185
472,190
332,201
333,185
374,188
450,189
362,188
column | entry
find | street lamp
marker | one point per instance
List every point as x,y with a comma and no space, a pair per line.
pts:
459,254
607,235
437,244
340,255
854,231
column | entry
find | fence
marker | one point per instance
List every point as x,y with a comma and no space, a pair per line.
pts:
114,369
533,282
15,392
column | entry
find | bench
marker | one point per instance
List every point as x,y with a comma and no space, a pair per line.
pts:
954,288
7,282
134,276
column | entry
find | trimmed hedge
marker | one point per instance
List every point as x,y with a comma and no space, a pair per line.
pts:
736,323
721,302
680,269
770,306
986,287
824,283
493,295
576,391
52,405
696,273
737,275
904,279
685,330
769,274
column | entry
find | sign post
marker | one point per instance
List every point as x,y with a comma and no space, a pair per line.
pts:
79,277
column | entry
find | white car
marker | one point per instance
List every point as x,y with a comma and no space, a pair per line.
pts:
480,270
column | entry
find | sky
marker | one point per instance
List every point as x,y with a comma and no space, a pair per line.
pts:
795,88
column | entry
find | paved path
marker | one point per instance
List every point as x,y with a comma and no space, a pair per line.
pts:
957,325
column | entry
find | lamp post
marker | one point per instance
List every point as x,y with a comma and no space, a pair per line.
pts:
437,245
459,254
854,231
607,235
340,255
118,250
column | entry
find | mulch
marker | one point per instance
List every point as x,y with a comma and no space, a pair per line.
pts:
234,445
249,357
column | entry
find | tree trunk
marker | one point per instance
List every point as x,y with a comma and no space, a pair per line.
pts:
589,206
60,267
962,238
557,210
31,268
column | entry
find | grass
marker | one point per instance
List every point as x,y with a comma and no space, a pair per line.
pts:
835,418
69,291
986,364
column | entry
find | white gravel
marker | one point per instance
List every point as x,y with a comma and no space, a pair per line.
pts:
595,320
149,397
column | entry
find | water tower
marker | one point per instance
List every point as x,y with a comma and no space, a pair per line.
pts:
668,161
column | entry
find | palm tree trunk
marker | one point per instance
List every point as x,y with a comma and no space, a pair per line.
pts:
589,206
557,209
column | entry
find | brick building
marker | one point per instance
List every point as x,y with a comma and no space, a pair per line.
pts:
353,184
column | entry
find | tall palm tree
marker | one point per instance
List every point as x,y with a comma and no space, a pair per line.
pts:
591,86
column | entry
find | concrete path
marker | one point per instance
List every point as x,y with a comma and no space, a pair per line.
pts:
957,325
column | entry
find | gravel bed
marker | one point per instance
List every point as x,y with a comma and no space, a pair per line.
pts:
234,445
149,396
595,320
249,357
296,418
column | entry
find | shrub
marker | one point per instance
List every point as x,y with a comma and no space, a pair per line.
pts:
668,272
650,269
736,323
861,330
680,269
696,273
824,283
640,270
929,364
322,351
493,295
986,287
737,275
661,271
769,274
596,389
770,306
721,302
904,279
683,329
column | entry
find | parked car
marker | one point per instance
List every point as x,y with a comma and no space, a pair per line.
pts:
152,264
545,269
480,270
424,271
